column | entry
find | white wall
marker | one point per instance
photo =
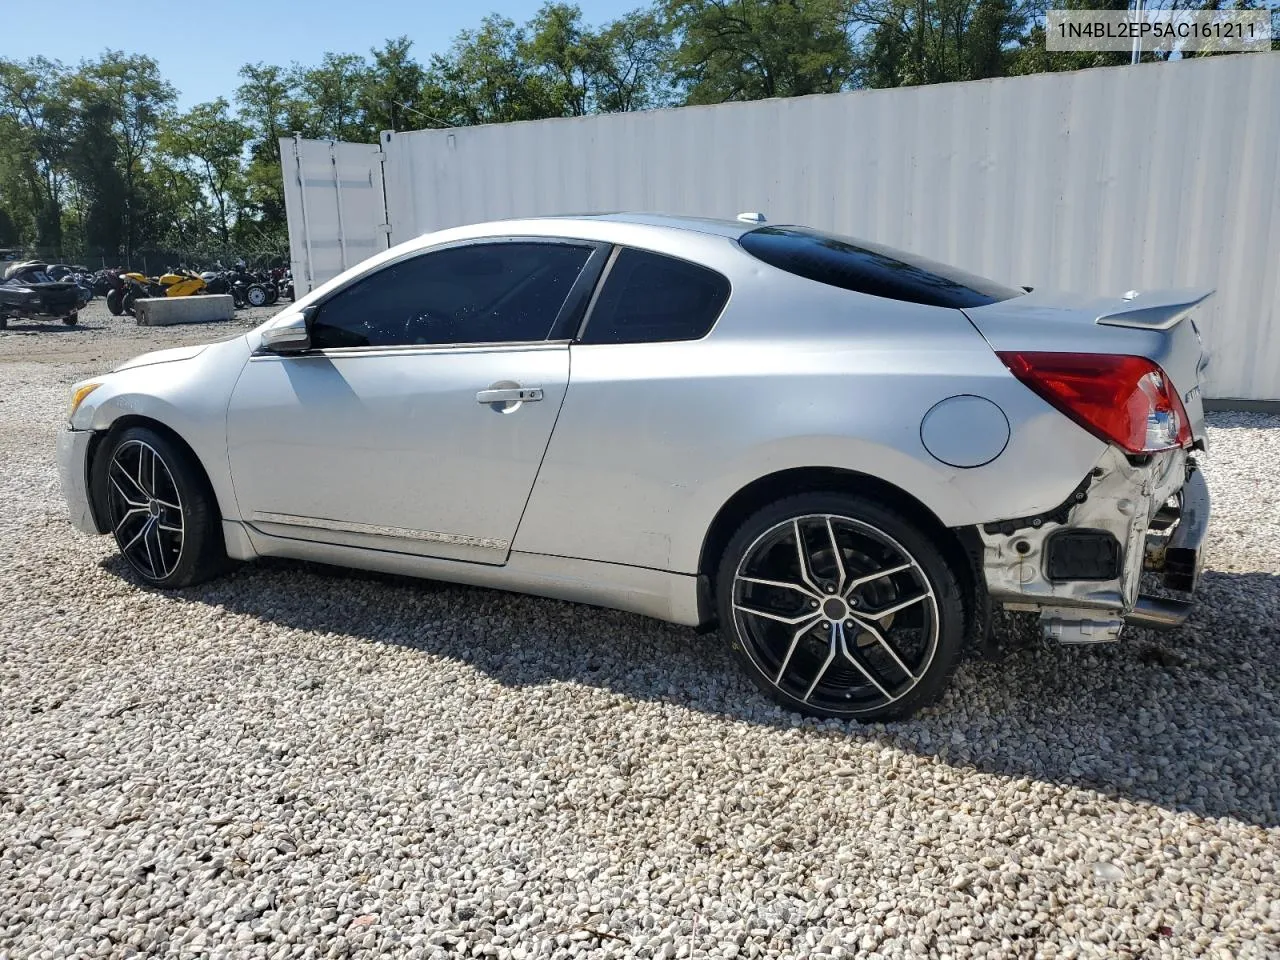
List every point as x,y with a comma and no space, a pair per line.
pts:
1103,180
334,203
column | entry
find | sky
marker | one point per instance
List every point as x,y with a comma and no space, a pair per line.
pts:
200,47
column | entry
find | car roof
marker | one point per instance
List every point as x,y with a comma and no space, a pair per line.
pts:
711,226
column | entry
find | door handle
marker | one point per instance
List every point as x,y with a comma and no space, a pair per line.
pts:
510,395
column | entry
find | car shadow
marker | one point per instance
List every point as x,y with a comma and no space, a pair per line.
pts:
45,326
1116,718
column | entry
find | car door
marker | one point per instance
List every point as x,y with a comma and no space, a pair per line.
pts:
419,417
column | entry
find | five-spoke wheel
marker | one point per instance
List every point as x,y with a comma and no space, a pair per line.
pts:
159,506
840,607
145,508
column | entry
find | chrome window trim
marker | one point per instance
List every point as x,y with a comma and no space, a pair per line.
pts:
412,349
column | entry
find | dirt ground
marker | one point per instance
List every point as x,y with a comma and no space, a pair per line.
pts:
100,341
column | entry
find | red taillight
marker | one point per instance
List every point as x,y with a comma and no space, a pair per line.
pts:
1124,400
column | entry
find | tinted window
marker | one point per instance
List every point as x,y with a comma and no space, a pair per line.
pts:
484,293
871,268
649,298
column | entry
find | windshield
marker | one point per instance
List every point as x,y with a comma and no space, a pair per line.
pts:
871,268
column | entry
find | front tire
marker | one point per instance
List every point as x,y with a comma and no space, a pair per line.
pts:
838,606
115,302
162,512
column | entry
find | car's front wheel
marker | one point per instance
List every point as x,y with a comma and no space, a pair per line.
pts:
838,606
162,513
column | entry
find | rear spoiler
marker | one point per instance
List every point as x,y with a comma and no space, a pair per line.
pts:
1154,309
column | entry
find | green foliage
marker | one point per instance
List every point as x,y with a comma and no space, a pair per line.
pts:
95,157
208,144
8,230
749,49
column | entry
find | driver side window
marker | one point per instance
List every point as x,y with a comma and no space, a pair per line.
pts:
481,293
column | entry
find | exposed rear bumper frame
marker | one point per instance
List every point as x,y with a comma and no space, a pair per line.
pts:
1180,561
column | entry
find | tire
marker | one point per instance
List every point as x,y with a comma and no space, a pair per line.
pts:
71,319
115,302
126,302
256,295
876,647
273,294
160,508
4,322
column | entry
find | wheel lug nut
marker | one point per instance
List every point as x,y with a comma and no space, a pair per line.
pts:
813,603
853,601
849,624
830,588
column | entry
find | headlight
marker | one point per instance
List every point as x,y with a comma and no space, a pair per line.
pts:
78,395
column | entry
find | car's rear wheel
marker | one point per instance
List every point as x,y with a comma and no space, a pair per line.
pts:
162,513
839,606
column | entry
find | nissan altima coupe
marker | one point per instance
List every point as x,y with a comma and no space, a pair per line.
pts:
841,454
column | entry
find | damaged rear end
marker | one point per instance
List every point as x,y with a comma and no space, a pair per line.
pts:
1128,370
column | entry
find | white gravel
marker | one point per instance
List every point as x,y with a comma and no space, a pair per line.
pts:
292,762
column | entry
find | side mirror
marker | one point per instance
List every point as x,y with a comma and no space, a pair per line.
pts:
289,336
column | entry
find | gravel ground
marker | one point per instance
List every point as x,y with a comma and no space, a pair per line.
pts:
294,762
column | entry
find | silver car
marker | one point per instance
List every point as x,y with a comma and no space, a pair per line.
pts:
842,454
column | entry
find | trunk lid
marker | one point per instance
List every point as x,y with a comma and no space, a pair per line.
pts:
1155,324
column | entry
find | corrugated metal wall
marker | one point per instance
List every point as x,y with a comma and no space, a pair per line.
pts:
1103,180
335,206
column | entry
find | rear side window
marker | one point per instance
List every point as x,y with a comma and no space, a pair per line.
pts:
649,298
871,268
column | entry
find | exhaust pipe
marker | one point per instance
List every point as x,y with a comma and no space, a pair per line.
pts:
1159,613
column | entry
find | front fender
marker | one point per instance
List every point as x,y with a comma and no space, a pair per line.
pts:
189,397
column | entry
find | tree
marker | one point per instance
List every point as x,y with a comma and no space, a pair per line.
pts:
904,42
120,101
750,49
486,77
269,109
631,64
392,91
33,113
208,142
8,230
563,52
330,94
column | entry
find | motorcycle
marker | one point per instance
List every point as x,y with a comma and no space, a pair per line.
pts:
282,277
252,288
175,283
223,281
113,286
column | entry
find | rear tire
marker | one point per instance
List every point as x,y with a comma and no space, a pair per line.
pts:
160,507
115,302
839,606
